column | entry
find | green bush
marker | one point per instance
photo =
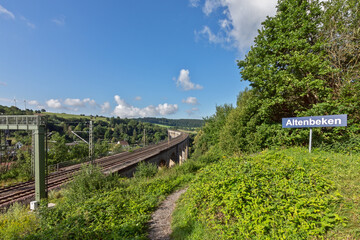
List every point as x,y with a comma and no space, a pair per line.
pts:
17,222
145,170
266,196
89,212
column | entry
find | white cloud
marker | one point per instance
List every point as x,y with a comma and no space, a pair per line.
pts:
6,100
105,108
184,82
75,102
54,103
36,104
91,102
138,98
191,101
33,102
194,3
60,21
124,110
218,38
192,111
28,23
240,22
6,13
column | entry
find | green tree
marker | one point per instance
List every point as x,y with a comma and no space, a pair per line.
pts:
210,133
59,152
287,64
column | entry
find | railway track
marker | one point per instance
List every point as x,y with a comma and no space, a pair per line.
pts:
26,191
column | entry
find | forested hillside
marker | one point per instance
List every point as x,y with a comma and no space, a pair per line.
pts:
179,123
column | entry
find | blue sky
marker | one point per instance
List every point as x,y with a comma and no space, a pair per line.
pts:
138,58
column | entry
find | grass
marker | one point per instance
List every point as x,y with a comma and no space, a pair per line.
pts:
68,116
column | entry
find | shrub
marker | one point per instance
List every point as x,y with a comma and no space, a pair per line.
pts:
17,222
265,196
145,170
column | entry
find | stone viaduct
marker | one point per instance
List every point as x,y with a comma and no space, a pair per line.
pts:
171,153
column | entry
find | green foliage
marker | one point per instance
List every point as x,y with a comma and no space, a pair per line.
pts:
145,170
19,171
95,207
210,132
181,123
272,195
85,184
286,65
305,62
59,152
17,222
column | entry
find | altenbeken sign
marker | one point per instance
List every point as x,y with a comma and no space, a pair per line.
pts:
315,121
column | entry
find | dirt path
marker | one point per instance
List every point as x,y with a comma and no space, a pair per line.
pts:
160,223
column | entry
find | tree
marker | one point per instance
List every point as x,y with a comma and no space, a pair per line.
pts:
287,64
209,135
59,152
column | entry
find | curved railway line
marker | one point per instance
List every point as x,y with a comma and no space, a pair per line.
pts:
25,191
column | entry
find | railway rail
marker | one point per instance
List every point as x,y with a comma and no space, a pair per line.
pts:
24,192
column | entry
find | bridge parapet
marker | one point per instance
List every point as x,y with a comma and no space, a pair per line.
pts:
167,155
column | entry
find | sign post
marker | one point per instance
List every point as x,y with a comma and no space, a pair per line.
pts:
310,138
315,121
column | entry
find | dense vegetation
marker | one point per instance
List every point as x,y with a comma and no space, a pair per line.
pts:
278,194
178,123
305,62
97,207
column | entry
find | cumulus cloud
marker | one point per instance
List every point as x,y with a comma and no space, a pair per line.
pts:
184,82
191,101
240,22
76,102
91,102
125,110
6,13
36,104
105,108
54,103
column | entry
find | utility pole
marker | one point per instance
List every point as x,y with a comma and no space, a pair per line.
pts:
168,137
144,137
91,141
25,104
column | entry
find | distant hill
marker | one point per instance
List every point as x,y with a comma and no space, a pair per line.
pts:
180,123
